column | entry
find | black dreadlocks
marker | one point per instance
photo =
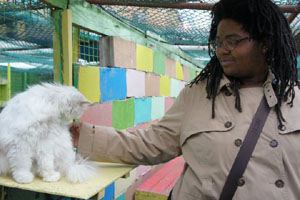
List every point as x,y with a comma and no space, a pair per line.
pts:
261,19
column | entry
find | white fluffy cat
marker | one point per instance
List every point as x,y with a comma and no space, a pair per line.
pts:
35,137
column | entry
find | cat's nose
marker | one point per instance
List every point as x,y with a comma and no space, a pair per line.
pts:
91,104
85,102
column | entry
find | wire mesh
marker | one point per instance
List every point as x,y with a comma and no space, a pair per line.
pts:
22,78
85,47
176,26
189,27
26,30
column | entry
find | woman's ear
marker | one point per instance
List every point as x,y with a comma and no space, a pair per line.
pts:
265,45
264,49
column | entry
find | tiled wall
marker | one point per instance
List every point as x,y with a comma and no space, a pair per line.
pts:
134,86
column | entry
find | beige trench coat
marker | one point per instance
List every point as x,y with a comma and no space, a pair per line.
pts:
209,146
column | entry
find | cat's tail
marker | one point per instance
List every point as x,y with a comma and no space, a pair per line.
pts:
4,167
81,170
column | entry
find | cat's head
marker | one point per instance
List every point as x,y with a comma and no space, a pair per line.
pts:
69,102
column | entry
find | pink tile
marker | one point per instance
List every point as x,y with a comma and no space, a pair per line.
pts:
152,84
168,103
170,67
98,114
142,170
186,73
124,53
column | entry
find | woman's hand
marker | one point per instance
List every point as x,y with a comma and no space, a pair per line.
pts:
75,132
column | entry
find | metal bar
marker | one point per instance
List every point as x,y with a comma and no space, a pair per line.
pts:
292,16
290,9
196,6
20,49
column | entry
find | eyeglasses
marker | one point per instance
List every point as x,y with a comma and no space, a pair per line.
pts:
229,44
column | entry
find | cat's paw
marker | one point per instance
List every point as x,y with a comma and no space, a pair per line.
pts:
53,177
23,176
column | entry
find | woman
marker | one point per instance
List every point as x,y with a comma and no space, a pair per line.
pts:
253,54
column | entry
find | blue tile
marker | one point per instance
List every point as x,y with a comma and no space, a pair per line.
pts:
142,110
112,84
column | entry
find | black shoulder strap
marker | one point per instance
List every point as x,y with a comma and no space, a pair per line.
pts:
243,156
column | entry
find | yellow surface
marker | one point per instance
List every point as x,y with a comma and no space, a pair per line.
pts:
179,71
165,86
144,58
89,83
67,46
107,174
142,195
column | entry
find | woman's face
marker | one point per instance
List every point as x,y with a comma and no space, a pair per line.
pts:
247,60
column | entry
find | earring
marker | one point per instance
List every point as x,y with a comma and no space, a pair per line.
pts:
265,49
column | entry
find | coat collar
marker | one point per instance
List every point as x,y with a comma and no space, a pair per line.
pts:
290,114
267,86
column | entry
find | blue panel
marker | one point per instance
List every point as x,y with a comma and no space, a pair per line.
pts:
142,110
121,197
112,84
109,192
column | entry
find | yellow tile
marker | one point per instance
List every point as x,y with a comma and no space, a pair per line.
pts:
89,83
179,71
165,86
144,58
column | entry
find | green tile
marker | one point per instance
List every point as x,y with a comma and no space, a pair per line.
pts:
192,74
123,113
159,63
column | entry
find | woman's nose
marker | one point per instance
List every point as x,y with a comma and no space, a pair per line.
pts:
222,50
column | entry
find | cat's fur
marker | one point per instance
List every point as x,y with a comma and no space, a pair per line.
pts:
35,137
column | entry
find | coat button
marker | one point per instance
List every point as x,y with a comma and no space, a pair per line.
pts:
274,143
228,124
282,127
279,183
241,182
238,142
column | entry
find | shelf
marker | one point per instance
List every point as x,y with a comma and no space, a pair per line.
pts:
107,174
